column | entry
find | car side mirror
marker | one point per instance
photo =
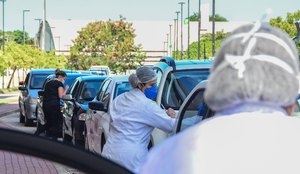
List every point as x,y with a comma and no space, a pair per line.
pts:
21,83
41,93
98,106
68,97
22,88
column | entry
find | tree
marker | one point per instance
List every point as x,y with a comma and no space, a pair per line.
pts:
218,18
287,24
107,43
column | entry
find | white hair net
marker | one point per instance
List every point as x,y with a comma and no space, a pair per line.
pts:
257,63
143,74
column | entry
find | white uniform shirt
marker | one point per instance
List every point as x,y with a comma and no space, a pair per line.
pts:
252,142
133,118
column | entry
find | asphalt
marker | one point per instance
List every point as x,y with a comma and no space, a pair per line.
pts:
13,163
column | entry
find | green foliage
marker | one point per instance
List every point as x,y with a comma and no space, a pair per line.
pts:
205,46
17,36
26,56
218,18
287,24
108,43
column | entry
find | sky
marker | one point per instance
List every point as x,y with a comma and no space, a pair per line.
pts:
132,10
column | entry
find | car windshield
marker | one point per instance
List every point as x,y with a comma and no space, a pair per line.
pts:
37,81
90,89
121,87
179,84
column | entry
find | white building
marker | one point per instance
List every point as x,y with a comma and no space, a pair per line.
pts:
150,34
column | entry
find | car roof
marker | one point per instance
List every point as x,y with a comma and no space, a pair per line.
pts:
42,71
185,63
120,78
91,77
76,74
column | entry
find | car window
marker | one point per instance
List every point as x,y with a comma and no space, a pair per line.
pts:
27,79
194,111
179,84
106,96
121,87
89,89
159,75
37,81
103,89
74,88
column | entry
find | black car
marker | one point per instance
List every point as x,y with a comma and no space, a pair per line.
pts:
82,91
39,111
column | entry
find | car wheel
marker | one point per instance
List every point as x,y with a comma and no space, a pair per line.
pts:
103,141
66,138
28,122
21,118
86,140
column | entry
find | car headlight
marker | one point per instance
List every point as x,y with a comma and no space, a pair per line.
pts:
82,116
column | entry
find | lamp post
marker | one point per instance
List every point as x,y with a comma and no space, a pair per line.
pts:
177,30
174,45
3,40
213,27
24,11
58,37
188,48
199,30
170,42
165,46
181,32
39,21
44,27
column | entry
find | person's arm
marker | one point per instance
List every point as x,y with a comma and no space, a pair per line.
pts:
62,92
158,118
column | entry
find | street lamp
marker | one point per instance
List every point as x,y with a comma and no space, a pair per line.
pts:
39,21
170,43
58,37
181,35
167,44
24,11
213,28
174,45
188,48
177,30
199,29
3,40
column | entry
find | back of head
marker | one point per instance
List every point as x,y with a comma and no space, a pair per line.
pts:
256,63
60,73
143,74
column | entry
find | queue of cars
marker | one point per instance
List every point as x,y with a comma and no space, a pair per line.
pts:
86,117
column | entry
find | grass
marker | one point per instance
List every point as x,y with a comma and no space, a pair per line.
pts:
5,90
7,101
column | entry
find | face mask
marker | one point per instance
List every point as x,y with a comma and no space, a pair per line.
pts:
151,93
63,81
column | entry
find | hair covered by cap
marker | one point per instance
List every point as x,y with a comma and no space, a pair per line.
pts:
143,74
267,73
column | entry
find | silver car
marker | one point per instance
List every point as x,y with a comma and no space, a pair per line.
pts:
98,117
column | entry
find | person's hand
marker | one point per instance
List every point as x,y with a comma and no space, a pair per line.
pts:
171,113
67,87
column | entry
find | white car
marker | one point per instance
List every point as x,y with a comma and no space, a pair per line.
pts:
100,70
176,79
98,118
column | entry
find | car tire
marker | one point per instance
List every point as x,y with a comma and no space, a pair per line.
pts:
66,138
86,141
103,141
28,122
22,117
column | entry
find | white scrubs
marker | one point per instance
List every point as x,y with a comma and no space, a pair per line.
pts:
251,139
133,118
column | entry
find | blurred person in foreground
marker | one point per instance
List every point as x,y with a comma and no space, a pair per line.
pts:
134,115
252,87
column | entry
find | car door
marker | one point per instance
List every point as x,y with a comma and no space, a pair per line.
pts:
193,110
96,126
69,107
24,94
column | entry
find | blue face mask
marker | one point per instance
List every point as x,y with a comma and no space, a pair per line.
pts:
151,93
